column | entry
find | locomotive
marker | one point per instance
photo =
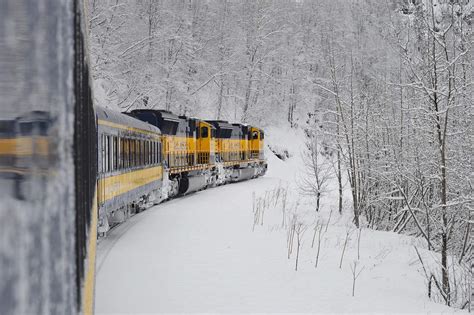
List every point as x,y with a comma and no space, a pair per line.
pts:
147,156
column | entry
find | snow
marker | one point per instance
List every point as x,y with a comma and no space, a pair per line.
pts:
199,254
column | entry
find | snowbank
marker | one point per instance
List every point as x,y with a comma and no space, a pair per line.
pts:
226,250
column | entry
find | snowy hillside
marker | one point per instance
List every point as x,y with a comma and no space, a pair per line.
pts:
226,250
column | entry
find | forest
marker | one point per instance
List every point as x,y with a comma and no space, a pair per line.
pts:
382,89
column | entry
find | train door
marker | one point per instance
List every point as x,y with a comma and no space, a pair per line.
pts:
261,146
212,145
254,143
205,144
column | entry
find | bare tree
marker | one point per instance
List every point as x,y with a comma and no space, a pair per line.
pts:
318,171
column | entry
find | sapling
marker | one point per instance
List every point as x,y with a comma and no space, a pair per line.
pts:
319,245
314,234
348,232
327,223
355,275
291,235
283,207
299,230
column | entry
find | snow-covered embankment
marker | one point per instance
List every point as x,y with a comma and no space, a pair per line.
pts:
210,252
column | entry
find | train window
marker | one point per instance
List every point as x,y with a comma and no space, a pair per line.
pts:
135,152
114,154
255,135
139,152
213,133
111,153
133,149
117,151
158,153
107,148
128,160
147,152
121,161
124,144
204,132
152,152
142,152
262,135
131,153
102,144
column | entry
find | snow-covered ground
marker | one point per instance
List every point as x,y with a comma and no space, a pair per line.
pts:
202,253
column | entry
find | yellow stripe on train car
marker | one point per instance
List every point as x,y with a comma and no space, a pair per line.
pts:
115,185
89,278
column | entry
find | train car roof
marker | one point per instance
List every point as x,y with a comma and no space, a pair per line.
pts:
221,124
166,115
122,119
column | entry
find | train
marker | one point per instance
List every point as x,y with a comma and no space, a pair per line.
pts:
147,156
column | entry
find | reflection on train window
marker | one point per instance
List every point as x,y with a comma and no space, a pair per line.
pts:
255,135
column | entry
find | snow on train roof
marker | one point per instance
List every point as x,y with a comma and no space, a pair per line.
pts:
123,119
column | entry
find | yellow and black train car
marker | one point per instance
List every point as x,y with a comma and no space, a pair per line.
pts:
188,150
